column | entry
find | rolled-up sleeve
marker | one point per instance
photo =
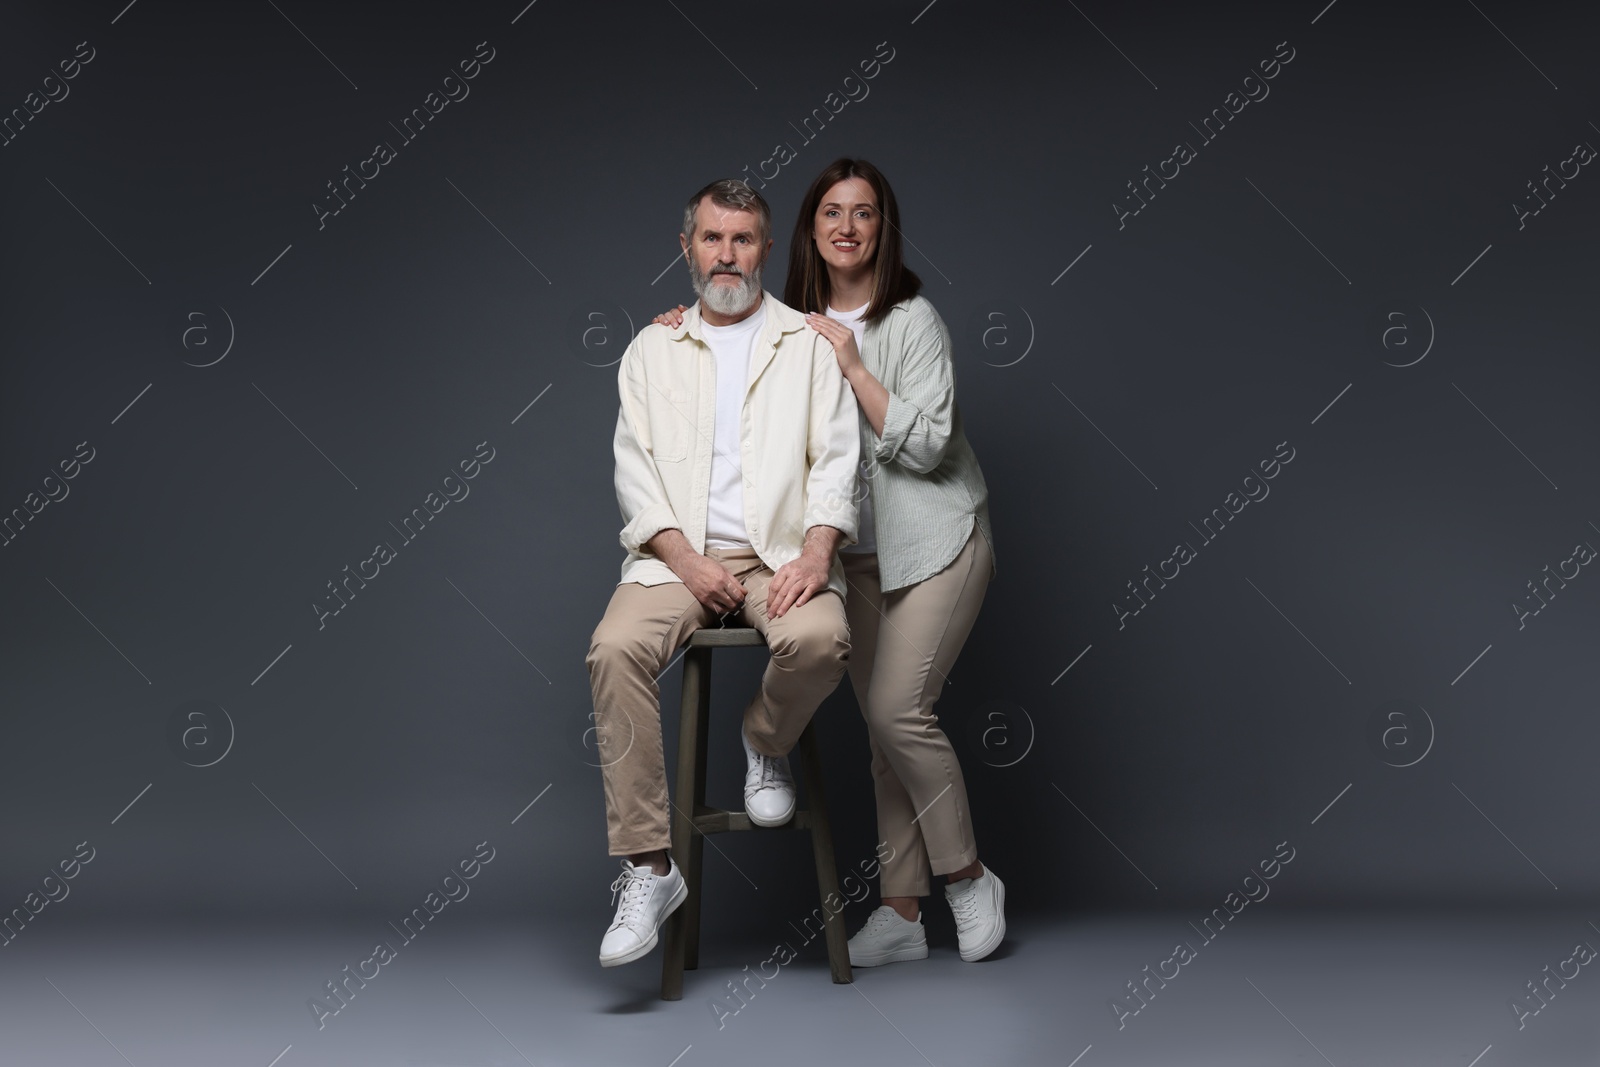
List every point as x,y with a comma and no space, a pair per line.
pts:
919,420
833,447
640,493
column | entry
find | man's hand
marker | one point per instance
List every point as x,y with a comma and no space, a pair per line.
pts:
707,579
710,583
801,578
794,584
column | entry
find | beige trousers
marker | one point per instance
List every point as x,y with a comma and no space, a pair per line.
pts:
904,644
642,629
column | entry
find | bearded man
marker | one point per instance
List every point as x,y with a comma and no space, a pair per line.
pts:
736,449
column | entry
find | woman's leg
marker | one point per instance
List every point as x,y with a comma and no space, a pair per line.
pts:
922,631
864,611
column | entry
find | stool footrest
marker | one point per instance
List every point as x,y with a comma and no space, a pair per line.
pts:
721,821
693,819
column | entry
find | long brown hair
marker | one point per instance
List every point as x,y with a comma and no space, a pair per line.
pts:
806,288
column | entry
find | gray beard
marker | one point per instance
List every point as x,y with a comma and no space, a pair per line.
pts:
723,300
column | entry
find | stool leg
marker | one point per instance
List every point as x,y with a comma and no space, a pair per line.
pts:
697,840
822,852
684,854
691,905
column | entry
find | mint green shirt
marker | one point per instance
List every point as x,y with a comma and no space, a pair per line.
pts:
926,487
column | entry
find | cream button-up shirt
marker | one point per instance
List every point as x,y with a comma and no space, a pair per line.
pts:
798,441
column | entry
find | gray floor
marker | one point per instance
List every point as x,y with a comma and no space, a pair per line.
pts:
1274,988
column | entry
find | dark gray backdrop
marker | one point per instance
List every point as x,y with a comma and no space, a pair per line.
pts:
1340,268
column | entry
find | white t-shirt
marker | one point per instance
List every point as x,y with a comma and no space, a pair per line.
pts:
731,346
867,540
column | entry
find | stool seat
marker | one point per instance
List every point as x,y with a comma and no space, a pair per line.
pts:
693,819
730,637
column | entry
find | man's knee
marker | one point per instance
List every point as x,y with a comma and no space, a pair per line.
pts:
615,643
820,642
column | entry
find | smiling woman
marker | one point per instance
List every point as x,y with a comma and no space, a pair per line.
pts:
923,560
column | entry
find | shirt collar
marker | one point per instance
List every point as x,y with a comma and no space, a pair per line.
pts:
781,319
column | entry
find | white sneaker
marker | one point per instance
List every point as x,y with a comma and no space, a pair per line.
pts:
647,899
768,787
979,905
887,938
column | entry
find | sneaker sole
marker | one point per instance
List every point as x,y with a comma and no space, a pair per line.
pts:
993,941
655,935
898,955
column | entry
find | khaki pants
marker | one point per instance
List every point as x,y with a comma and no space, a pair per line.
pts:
903,646
642,629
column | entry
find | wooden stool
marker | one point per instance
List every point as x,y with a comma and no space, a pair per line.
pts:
692,819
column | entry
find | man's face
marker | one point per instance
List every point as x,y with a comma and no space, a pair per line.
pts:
725,257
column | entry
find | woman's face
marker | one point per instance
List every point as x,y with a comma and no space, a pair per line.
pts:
846,225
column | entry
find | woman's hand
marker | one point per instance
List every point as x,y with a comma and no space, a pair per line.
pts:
843,339
673,318
869,392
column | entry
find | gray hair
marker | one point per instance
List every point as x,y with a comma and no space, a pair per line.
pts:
733,194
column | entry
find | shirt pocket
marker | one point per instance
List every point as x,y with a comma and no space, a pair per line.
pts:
672,424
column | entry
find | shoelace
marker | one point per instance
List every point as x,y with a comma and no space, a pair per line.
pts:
965,907
769,772
634,888
875,922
